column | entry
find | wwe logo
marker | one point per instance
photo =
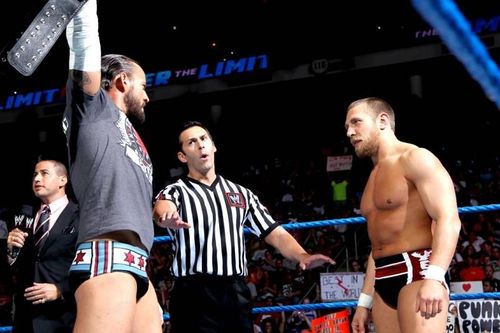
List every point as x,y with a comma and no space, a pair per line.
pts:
18,219
319,66
235,199
28,221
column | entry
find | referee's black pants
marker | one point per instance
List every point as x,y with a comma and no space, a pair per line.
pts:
205,304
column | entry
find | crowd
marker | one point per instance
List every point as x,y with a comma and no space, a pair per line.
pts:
304,191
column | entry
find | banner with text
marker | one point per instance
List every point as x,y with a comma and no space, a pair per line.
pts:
341,286
339,163
337,322
477,316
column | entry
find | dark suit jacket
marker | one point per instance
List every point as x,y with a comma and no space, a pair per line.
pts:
51,265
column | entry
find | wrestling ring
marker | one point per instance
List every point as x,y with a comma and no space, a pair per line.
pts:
457,34
339,304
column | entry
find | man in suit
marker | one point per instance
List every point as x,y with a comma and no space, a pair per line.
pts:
41,255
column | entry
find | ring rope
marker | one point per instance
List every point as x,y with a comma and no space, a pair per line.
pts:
339,304
456,32
350,220
353,304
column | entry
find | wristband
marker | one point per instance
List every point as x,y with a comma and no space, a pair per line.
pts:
365,301
434,272
82,34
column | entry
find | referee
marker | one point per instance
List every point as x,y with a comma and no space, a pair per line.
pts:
205,214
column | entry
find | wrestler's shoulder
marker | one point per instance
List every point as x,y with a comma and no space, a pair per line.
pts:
413,153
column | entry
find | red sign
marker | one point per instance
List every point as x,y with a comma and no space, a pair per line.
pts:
337,322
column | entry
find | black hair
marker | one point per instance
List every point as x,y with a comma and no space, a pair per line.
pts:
189,124
113,65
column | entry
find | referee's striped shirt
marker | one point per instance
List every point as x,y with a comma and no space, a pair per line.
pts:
215,243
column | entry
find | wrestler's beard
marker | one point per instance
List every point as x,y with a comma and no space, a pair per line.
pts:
367,148
135,109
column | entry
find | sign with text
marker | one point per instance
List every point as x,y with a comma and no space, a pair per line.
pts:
339,163
337,322
341,286
452,316
479,316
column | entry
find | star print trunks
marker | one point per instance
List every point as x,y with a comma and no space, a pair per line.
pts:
104,256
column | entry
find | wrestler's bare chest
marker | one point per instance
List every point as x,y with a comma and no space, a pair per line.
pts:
385,204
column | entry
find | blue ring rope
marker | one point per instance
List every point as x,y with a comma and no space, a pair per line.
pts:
350,220
457,34
342,304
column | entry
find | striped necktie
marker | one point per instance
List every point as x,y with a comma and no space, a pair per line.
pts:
42,228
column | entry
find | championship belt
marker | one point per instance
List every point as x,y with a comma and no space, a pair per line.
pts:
42,33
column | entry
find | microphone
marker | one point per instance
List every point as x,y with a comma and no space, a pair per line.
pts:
15,252
22,221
